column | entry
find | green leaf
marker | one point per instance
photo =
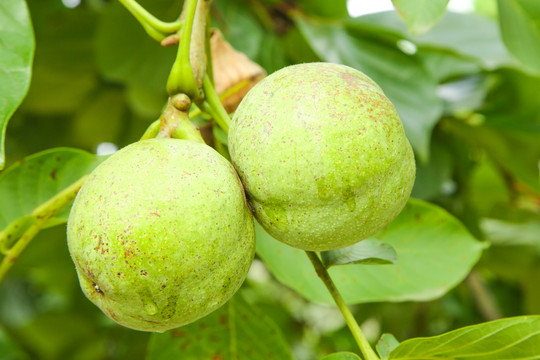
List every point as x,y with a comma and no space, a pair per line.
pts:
453,33
385,345
297,48
236,331
361,48
342,356
484,44
435,253
465,95
272,55
520,27
37,178
17,49
504,233
367,252
499,142
444,65
420,15
505,339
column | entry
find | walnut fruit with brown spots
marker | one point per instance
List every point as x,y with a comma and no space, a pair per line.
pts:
161,234
322,155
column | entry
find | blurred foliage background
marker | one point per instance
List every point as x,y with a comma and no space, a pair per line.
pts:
470,108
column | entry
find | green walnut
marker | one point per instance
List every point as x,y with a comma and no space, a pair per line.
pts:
161,234
322,155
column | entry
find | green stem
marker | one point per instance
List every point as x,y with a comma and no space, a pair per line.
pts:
361,340
187,131
182,78
14,231
156,28
208,51
152,130
42,214
213,106
484,299
185,37
212,103
233,343
195,112
174,122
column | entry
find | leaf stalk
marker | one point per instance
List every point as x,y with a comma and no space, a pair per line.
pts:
357,333
213,106
174,121
154,27
189,67
42,215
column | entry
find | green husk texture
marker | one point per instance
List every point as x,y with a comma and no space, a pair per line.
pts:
161,234
322,155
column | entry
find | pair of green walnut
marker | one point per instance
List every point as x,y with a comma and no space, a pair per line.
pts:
162,233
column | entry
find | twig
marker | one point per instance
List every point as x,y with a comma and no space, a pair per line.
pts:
361,340
43,214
